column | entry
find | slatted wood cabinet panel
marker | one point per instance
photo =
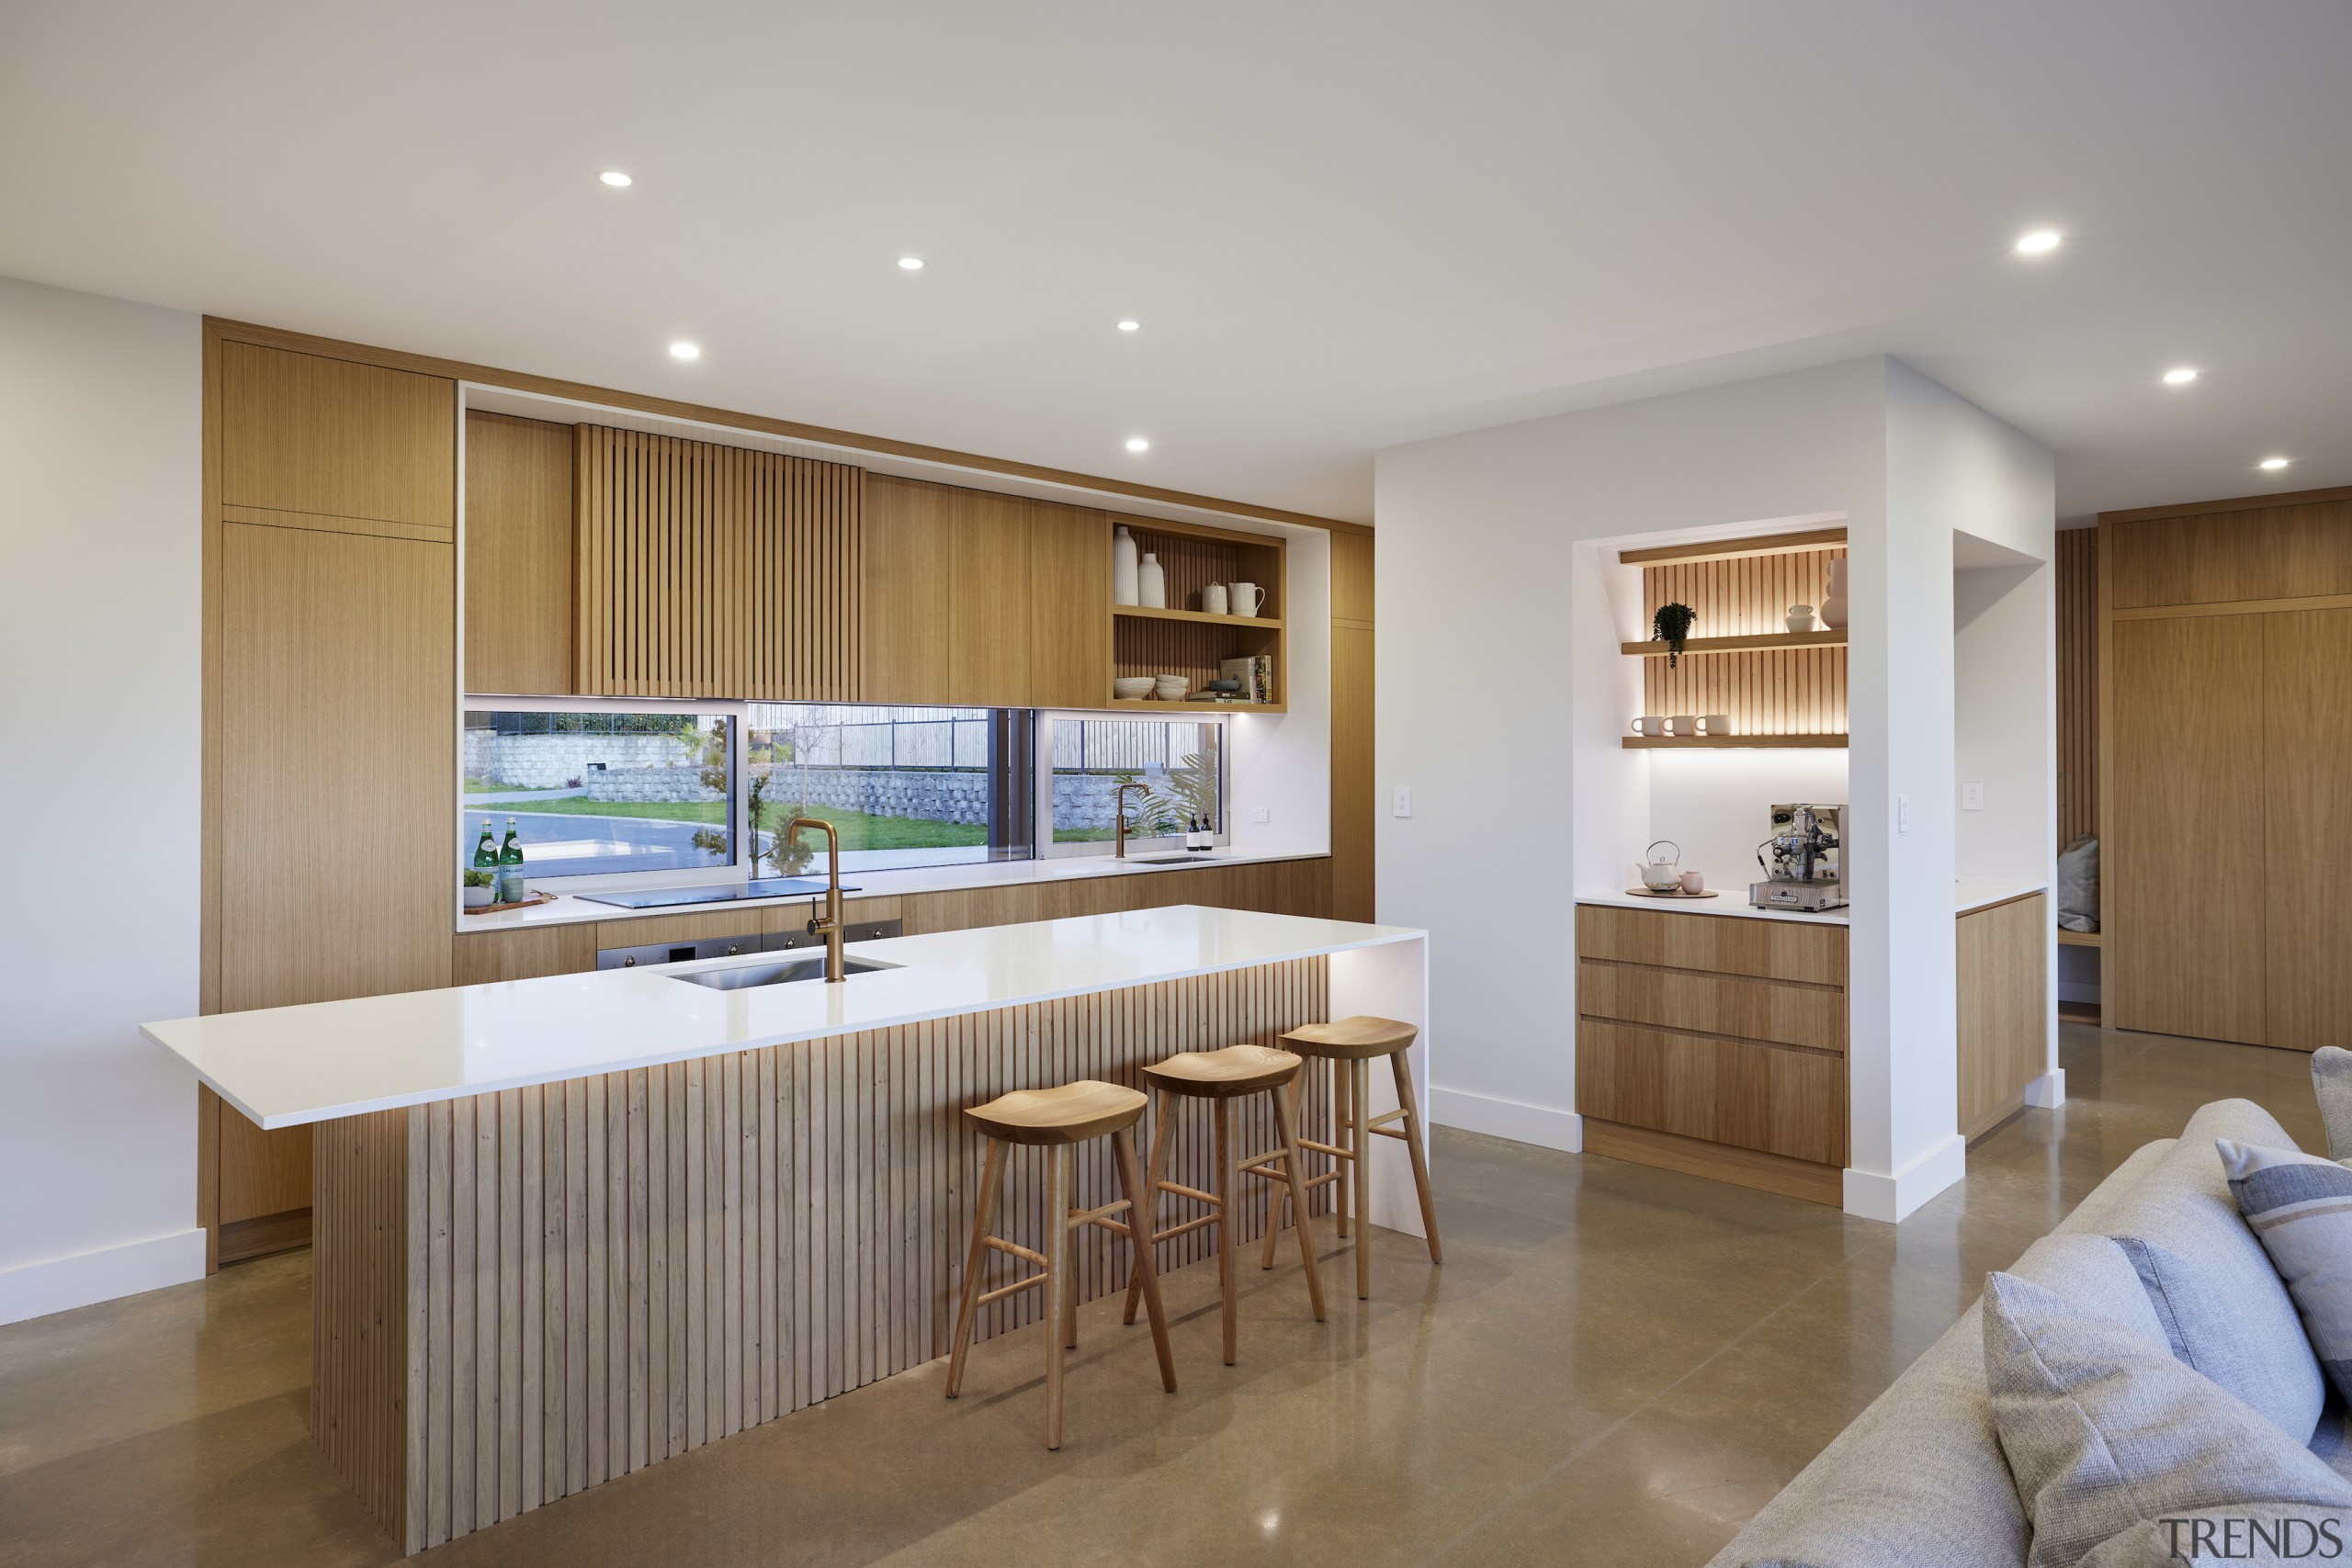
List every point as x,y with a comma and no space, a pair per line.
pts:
1699,1034
1776,690
352,447
714,571
525,1294
2077,596
520,585
2004,1017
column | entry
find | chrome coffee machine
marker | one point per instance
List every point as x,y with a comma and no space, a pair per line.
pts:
1802,860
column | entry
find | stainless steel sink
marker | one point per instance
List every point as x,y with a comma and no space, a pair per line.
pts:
741,977
1169,860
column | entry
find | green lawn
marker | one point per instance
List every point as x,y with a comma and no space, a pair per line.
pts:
485,787
858,830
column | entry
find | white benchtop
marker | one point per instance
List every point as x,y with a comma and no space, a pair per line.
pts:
1969,893
890,883
286,1066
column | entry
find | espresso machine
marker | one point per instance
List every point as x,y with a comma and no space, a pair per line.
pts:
1802,860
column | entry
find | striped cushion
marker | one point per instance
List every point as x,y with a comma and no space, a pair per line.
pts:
2301,1207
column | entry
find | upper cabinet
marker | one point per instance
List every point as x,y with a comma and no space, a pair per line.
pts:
354,447
989,599
902,623
519,581
714,571
1069,593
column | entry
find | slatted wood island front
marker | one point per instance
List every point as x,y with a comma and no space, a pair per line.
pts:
525,1291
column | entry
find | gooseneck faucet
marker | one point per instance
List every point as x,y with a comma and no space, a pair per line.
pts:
1119,809
829,924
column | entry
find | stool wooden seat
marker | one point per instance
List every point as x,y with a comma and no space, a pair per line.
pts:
1352,1045
1221,1077
1058,1119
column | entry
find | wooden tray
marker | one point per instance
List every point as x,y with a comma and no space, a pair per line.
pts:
1678,893
542,896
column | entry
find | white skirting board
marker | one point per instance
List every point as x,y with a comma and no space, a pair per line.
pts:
1895,1198
1539,1124
59,1284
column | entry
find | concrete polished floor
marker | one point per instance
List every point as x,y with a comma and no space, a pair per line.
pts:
1616,1364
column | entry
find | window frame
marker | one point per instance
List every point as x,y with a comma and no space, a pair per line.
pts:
1047,849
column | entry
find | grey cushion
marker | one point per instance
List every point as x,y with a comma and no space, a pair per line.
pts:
2078,885
2300,1208
2106,1431
2235,1317
2331,1082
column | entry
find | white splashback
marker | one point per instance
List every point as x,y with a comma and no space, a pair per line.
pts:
1717,804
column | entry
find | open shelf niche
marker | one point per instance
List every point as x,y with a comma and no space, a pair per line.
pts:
1781,688
1184,640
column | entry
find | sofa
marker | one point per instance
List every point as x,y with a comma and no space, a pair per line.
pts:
1919,1479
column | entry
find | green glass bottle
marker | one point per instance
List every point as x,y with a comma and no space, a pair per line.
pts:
510,866
485,848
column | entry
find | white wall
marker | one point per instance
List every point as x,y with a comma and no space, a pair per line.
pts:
1281,762
100,620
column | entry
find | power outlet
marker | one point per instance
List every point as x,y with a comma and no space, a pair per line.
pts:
1902,813
1971,798
1401,805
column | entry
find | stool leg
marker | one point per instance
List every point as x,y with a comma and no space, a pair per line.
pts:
1413,1141
1277,1191
1225,1237
983,1215
1131,1187
1057,1163
1343,1119
1359,1109
1286,1124
1149,1201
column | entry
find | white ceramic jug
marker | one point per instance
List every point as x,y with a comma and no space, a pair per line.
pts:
1213,599
1247,598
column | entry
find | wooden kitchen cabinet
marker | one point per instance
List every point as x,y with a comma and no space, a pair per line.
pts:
990,596
354,447
1069,600
2307,835
903,625
520,583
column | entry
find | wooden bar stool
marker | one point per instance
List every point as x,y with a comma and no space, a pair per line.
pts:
1221,1077
1058,1119
1351,1045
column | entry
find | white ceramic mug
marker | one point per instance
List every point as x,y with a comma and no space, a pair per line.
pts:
1649,724
1715,724
1213,599
1685,725
1247,598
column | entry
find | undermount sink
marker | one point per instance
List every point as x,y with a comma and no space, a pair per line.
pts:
784,972
1167,860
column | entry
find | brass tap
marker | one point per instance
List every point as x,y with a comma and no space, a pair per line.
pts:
1119,810
829,924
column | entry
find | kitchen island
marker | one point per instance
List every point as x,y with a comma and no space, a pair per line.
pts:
570,1226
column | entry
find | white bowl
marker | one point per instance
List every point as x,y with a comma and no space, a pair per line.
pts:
1170,688
1132,687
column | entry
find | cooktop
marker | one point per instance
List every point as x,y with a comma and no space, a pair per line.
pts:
721,893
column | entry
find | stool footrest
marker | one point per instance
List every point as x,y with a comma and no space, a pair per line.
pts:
1192,1193
1187,1226
1014,1289
1017,1250
1096,1216
1326,1149
1385,1117
1398,1133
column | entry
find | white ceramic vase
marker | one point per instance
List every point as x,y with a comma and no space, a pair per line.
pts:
1833,608
1800,617
1151,585
1123,568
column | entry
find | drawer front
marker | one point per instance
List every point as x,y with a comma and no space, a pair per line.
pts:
1726,944
1810,1015
1752,1096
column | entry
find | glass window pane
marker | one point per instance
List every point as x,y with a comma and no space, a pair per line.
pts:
599,793
1180,762
903,785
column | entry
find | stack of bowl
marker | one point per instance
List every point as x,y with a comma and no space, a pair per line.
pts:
1170,688
1132,688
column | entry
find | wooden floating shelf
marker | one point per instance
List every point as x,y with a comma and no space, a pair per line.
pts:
1762,640
1189,706
2078,939
1736,549
1717,742
1198,618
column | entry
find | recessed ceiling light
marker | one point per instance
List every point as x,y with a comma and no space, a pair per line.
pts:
1138,444
682,349
1129,326
2181,377
615,179
912,264
2274,463
2038,241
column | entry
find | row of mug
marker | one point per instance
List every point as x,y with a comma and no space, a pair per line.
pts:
1684,726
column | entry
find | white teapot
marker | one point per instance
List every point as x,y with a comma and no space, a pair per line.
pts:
1662,874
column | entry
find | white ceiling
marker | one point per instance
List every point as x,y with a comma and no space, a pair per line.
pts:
1342,225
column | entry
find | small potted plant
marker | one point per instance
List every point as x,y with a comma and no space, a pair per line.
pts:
1672,625
481,890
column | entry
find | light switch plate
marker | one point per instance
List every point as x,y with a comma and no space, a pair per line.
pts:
1971,798
1402,804
1261,814
1902,813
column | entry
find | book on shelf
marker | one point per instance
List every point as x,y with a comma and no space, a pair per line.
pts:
1256,673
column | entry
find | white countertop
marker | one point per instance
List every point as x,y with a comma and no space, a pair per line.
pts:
568,910
1969,893
286,1066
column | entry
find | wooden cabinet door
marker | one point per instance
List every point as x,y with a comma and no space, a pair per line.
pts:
1070,576
332,825
353,443
1352,779
519,584
2307,712
2184,852
989,600
903,614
